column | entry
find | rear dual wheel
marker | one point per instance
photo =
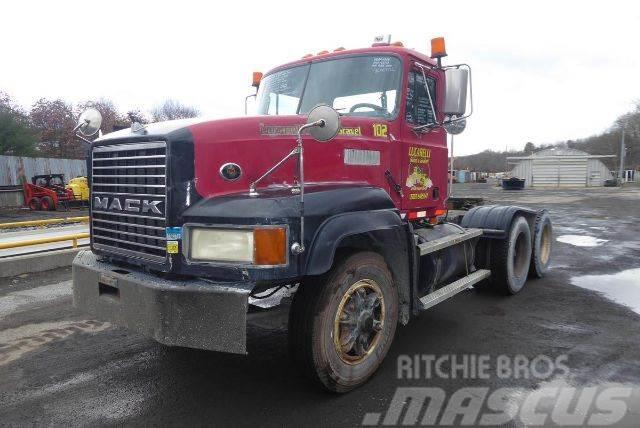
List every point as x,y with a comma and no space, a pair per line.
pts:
542,243
342,324
511,258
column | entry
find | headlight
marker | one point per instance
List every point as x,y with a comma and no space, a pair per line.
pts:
260,246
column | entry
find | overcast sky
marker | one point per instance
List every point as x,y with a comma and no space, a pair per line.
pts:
543,71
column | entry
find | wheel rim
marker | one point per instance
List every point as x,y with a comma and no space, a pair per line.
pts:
545,244
520,257
359,321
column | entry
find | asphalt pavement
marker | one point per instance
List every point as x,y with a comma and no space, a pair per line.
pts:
60,367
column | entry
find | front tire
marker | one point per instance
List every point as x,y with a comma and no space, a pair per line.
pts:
342,324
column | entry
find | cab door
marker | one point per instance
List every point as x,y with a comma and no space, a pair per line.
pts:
423,152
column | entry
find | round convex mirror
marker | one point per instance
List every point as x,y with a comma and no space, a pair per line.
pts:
331,122
89,122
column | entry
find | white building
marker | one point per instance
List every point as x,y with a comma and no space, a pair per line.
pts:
560,167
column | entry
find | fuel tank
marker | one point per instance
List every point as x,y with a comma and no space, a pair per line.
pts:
442,267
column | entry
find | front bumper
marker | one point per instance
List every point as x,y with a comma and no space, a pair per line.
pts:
192,313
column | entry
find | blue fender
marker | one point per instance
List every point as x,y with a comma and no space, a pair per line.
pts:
382,231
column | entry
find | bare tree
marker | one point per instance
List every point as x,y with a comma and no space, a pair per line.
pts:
54,121
112,120
172,109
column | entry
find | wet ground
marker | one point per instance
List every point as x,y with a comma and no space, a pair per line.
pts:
59,367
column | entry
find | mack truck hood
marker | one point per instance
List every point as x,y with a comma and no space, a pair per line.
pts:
198,148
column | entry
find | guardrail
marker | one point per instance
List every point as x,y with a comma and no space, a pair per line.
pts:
73,238
30,223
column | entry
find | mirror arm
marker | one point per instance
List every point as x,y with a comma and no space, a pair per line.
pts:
252,186
78,134
246,100
298,247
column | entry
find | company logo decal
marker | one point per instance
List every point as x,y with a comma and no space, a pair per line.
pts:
130,205
292,130
354,132
418,177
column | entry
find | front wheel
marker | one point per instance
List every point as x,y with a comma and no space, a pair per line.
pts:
342,324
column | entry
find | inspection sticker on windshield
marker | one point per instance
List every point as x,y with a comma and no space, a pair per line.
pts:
174,233
172,247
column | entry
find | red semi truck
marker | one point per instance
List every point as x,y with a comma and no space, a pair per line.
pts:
330,204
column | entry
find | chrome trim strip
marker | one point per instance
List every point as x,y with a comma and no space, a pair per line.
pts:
128,185
128,166
129,176
128,224
131,253
131,215
130,158
160,238
130,146
155,247
129,194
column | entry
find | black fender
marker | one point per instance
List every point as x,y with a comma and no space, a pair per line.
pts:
382,231
496,219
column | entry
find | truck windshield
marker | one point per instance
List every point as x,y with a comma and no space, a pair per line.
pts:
356,86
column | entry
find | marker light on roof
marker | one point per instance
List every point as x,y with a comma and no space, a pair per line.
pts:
438,49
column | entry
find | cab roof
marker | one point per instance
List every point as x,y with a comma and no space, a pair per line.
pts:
383,49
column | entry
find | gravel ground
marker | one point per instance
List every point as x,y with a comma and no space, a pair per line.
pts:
59,367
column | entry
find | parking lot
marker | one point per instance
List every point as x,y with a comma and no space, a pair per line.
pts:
57,366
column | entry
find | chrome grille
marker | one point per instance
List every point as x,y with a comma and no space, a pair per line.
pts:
128,200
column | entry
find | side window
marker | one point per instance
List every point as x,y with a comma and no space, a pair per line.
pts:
418,107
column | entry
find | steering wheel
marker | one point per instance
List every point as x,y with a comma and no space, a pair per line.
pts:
367,105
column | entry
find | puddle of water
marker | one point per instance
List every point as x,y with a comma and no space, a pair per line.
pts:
622,287
581,240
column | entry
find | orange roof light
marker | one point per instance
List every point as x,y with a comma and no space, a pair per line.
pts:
307,56
323,52
397,44
339,49
257,77
438,49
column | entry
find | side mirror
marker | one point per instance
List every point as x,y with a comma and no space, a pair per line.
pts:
89,122
326,121
455,99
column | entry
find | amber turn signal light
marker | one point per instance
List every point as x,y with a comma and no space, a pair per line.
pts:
270,246
438,49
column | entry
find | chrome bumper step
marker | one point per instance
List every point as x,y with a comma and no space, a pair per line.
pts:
454,288
447,241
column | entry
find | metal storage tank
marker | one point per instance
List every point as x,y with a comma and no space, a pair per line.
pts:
561,167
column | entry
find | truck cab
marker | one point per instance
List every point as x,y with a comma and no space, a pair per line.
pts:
196,224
